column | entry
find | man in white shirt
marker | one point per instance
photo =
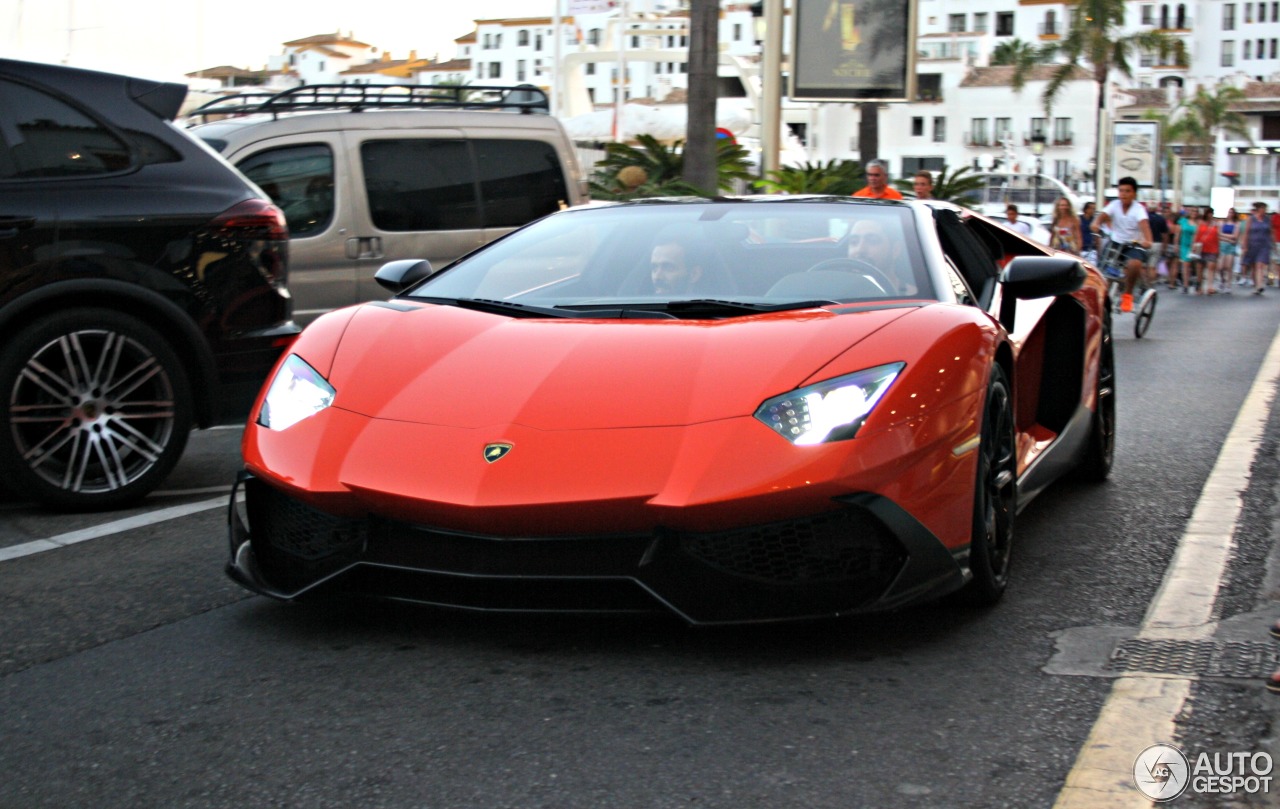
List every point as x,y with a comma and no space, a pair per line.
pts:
1127,220
1012,222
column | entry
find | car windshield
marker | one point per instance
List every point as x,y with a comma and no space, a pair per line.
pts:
744,256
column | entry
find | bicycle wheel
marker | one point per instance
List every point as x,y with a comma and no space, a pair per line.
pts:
1146,311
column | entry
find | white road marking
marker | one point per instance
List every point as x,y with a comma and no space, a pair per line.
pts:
1142,707
107,529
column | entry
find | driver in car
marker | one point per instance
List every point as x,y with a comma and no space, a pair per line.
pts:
869,242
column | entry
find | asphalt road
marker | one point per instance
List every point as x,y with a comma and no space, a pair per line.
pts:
133,674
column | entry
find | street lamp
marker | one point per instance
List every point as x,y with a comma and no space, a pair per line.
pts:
1037,149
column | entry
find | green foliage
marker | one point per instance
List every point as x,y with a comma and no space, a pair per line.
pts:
1021,55
841,177
663,168
955,186
1197,120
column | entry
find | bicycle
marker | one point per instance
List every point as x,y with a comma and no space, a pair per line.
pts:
1111,259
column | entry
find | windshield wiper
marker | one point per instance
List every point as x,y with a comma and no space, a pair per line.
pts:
715,305
497,307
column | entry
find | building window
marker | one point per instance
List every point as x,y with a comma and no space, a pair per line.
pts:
1273,49
1262,51
1228,52
955,23
1062,170
593,36
737,32
1229,17
1248,12
635,42
487,44
1164,16
1248,49
1062,131
1182,18
480,70
1050,23
939,129
1148,14
917,127
537,42
1004,129
980,22
522,38
978,132
591,68
1146,59
1004,23
495,70
1038,126
520,71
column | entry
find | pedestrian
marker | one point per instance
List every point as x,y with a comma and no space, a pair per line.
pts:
922,184
1087,248
877,172
1012,222
1187,226
1159,235
1227,234
1066,227
1258,240
1207,243
1127,220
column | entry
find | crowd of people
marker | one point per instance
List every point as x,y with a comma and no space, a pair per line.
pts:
1190,248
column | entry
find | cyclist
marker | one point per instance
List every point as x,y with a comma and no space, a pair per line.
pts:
1127,219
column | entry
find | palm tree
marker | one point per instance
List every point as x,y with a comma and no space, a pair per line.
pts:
1196,121
1020,54
663,169
700,169
841,177
957,186
1096,38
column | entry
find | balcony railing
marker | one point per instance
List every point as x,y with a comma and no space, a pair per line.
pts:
1052,29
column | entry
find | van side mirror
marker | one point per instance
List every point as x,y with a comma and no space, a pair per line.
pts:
397,276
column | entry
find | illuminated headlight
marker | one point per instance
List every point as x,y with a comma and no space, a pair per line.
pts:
831,410
297,392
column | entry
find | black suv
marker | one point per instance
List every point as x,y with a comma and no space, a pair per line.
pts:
142,285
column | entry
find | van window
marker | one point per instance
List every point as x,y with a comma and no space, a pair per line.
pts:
420,184
299,179
520,180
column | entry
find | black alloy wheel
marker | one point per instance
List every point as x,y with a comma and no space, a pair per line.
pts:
97,410
995,496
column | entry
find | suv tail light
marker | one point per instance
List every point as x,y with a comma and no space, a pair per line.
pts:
254,219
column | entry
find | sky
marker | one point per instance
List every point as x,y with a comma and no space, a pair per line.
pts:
166,39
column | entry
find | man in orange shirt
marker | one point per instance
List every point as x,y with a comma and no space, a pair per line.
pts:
878,182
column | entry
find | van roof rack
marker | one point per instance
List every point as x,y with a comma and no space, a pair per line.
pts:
524,98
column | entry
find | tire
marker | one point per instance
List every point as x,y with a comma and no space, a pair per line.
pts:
1146,311
97,410
1096,464
995,497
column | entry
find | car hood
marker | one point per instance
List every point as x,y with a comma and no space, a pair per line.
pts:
442,365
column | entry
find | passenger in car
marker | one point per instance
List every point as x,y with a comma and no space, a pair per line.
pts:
682,263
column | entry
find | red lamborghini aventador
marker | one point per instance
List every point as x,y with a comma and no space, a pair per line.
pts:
734,410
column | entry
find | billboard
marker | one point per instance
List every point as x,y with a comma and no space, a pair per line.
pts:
1197,184
1135,151
853,50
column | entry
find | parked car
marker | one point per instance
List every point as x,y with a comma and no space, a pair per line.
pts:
735,410
366,174
142,285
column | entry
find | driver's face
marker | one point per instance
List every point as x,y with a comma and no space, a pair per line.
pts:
869,243
668,271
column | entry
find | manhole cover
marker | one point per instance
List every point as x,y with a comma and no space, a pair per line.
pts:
1198,658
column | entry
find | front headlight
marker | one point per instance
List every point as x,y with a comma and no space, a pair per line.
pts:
831,410
297,392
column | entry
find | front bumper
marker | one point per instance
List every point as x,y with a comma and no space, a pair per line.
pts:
865,554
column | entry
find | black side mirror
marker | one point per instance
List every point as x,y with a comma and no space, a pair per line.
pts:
397,276
1027,277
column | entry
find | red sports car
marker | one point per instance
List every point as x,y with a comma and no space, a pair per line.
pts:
735,410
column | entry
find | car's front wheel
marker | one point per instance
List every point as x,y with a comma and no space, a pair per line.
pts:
995,496
97,409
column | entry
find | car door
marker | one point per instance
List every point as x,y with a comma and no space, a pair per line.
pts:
418,198
308,176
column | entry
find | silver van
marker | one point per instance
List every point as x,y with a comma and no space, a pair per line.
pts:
367,174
